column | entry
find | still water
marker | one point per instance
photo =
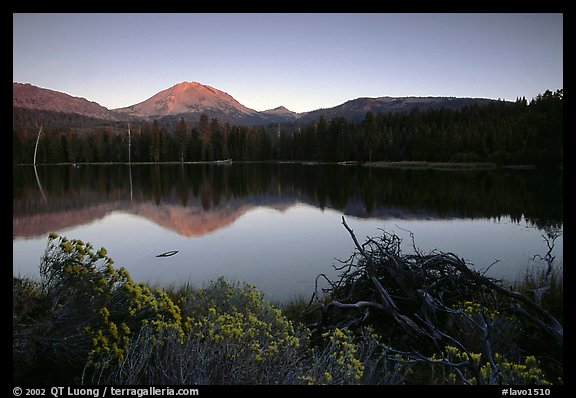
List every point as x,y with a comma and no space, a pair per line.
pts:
278,226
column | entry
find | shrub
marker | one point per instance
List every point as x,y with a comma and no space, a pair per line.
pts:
84,309
422,303
234,336
86,321
459,367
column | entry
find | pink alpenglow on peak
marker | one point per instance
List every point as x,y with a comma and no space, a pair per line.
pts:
187,97
32,97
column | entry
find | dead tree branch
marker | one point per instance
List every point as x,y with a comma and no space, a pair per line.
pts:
424,302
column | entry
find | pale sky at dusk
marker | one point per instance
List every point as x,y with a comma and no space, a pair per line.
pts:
301,61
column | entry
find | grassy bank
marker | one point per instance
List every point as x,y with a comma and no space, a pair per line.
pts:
86,321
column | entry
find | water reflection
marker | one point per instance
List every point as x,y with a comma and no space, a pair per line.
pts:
278,226
197,199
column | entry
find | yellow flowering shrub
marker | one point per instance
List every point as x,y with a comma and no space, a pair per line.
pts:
111,302
469,315
103,327
227,330
238,316
343,350
476,369
474,309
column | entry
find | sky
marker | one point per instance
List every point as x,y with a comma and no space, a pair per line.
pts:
301,61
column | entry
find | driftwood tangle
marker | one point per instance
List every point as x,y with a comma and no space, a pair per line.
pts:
415,300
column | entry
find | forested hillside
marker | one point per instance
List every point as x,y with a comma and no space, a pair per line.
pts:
500,132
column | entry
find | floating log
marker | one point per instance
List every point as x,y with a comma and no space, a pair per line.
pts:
168,254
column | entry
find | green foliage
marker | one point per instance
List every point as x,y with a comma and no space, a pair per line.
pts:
86,321
473,368
86,308
233,336
504,132
482,193
473,365
436,313
533,277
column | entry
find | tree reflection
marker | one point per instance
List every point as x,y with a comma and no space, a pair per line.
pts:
354,190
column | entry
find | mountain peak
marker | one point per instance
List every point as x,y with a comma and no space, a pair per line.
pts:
188,97
187,85
191,99
280,110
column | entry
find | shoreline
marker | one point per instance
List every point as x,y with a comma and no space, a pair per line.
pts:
380,164
432,165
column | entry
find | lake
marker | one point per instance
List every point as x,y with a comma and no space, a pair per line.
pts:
278,225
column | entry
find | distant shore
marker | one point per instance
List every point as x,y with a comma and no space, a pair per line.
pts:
445,165
382,164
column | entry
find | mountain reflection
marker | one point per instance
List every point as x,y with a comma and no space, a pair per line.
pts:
197,199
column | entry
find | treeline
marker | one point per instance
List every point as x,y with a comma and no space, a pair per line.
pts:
501,132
